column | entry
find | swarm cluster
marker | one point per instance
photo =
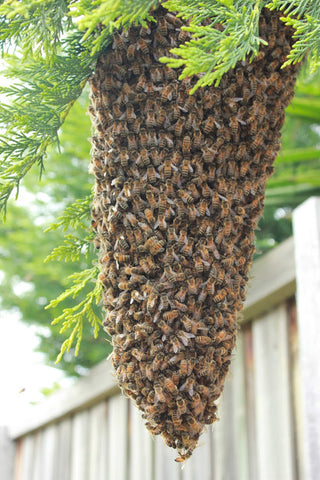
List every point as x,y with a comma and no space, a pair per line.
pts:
180,184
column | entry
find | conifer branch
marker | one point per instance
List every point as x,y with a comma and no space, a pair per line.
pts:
74,317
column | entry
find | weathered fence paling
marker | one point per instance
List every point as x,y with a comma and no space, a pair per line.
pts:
267,430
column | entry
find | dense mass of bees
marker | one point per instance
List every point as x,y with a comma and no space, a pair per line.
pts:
180,184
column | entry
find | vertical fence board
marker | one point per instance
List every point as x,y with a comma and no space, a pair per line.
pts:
240,443
230,451
63,460
27,458
7,454
96,426
272,396
295,387
140,447
38,466
199,465
79,446
306,223
117,438
250,401
46,454
104,443
165,466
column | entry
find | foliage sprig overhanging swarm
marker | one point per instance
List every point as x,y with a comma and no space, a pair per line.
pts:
54,74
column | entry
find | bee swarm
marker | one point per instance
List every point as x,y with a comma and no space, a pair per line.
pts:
180,184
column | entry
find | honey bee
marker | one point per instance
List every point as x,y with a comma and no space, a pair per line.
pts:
151,119
257,142
186,145
198,264
162,202
203,208
142,44
167,169
160,39
203,340
161,222
178,129
163,28
209,125
159,394
189,104
171,234
220,296
161,117
151,199
136,68
170,315
175,21
156,246
170,386
185,196
124,157
181,294
188,385
167,94
181,406
169,187
183,35
197,139
156,74
131,52
118,42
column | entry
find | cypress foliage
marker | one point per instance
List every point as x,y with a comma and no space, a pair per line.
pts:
180,183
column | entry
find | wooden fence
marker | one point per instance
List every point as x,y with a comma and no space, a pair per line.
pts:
269,411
